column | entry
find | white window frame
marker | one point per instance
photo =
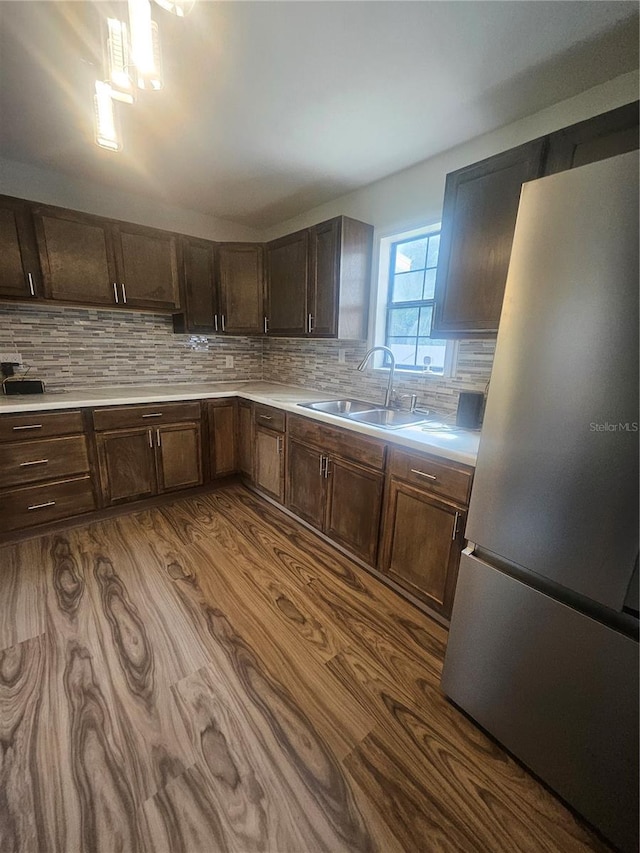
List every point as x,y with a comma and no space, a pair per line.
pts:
379,305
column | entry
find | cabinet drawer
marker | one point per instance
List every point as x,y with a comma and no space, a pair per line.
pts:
344,443
436,475
269,417
150,415
39,425
31,505
29,461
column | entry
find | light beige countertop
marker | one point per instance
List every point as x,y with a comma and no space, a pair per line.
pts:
457,445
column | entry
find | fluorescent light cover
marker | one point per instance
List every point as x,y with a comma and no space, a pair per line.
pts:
106,133
118,61
145,45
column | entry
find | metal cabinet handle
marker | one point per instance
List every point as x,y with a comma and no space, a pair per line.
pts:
423,474
153,415
115,293
41,506
124,293
327,469
158,439
222,319
455,526
321,465
215,322
310,323
266,325
150,438
279,443
32,289
28,426
35,462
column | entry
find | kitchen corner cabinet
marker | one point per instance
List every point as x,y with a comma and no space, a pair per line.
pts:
607,135
148,450
335,483
19,262
222,416
478,223
269,450
423,526
318,281
93,261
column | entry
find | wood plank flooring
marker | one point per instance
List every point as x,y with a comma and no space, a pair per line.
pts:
210,676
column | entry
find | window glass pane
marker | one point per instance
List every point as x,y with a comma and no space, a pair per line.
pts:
429,284
432,254
404,349
411,255
407,286
433,350
403,321
424,329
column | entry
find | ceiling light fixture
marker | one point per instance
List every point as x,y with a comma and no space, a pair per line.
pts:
132,61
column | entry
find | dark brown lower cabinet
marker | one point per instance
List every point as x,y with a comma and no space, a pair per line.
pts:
223,437
245,439
269,462
340,498
142,462
421,543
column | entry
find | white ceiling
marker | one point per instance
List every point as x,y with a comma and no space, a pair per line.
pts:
271,108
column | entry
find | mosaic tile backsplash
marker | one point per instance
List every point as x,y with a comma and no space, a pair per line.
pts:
81,347
316,365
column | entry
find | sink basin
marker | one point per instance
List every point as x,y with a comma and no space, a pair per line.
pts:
340,407
388,418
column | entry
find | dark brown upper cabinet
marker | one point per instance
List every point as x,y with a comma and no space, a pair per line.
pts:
318,281
478,222
287,276
607,135
197,268
19,263
240,278
147,264
76,256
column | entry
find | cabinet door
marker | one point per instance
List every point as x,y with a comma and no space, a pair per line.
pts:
306,487
222,438
324,274
353,507
269,462
607,135
76,256
19,264
241,288
200,306
287,273
478,221
127,465
245,439
179,456
147,264
422,541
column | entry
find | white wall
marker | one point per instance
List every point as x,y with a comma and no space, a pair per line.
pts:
43,185
413,198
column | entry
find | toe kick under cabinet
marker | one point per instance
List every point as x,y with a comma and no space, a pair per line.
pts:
44,469
148,450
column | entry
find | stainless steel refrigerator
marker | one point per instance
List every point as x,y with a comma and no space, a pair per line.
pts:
543,644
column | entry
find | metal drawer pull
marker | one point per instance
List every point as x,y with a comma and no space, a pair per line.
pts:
29,426
153,415
423,474
41,506
115,293
32,289
267,417
35,462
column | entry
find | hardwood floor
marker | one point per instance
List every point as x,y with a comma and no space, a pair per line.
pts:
210,676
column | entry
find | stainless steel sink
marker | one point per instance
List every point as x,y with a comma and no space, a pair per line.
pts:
388,418
340,407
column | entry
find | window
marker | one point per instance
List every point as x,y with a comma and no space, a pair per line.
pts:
409,303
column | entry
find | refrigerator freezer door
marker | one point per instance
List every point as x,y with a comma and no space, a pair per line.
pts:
557,688
556,484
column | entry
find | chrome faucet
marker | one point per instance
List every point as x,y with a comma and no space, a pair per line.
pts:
363,364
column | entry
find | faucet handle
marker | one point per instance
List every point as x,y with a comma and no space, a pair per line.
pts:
413,401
